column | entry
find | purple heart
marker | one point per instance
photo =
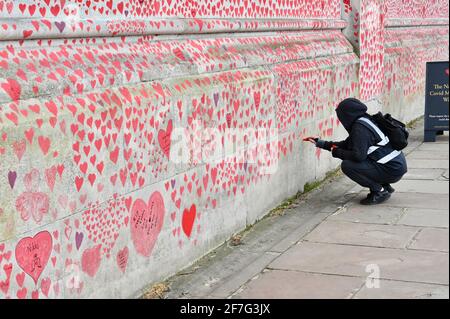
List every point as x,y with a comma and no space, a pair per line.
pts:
126,13
60,25
12,178
173,183
78,239
216,98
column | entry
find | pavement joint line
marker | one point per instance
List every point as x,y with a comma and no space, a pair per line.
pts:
341,210
356,276
303,238
307,232
413,240
428,227
315,272
379,224
409,151
257,274
394,223
413,192
422,179
402,206
244,285
353,294
403,214
427,250
241,289
367,246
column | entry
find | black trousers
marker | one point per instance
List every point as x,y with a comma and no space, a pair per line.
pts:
369,174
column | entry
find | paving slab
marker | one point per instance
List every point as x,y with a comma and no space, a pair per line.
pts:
425,217
427,163
433,147
278,284
299,233
201,280
396,264
342,232
418,200
391,289
429,155
440,139
368,214
430,187
238,279
424,173
434,239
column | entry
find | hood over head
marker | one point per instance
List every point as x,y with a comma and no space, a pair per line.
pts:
349,110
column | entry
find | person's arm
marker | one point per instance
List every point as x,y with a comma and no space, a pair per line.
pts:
328,145
361,140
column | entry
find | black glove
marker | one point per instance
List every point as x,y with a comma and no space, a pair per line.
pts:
324,144
320,143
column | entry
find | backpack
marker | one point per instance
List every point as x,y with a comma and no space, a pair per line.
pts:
394,129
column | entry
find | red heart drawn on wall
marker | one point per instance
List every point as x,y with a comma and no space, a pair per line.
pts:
122,259
164,139
103,222
33,253
188,220
45,286
12,88
146,223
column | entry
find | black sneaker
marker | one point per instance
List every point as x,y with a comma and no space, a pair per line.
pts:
375,198
389,188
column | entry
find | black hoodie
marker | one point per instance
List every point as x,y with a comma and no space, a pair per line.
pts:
349,110
356,146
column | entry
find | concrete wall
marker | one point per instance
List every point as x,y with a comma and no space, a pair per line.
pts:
94,98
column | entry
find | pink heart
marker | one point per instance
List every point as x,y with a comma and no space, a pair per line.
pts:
33,253
90,260
35,203
164,139
122,259
146,223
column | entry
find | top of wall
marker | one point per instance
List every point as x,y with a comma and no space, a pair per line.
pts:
416,12
120,9
417,9
50,19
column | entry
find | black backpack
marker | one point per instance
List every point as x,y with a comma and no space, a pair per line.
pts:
394,129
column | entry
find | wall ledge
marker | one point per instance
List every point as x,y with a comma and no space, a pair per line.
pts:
26,29
416,22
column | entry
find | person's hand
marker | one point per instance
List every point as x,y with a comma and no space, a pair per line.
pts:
311,140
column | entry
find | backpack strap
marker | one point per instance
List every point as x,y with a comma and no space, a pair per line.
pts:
384,139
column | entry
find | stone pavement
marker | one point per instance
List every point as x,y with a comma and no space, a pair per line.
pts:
328,246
